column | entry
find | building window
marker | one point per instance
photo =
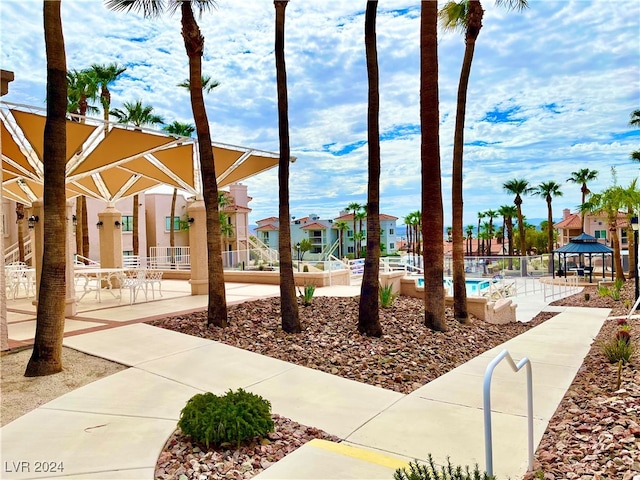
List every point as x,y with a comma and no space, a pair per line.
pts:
127,223
392,246
167,223
601,234
349,233
624,239
127,253
349,249
391,231
265,237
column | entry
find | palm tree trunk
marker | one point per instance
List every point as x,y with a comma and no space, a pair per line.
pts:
84,225
549,231
20,222
194,45
172,234
368,312
46,357
136,228
288,299
78,233
432,210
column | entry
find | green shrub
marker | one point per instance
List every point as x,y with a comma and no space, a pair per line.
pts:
603,290
233,417
387,297
618,349
307,294
305,268
417,471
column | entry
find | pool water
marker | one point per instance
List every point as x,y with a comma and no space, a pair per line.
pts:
474,285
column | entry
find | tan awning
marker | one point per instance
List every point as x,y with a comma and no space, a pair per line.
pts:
116,164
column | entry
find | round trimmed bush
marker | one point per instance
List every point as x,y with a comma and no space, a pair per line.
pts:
234,417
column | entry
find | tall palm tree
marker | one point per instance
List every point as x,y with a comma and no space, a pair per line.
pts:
407,222
138,115
465,15
288,300
631,198
469,232
369,307
194,46
354,207
360,216
46,357
583,176
519,187
180,129
432,209
609,202
548,190
416,223
508,212
491,215
634,121
106,75
480,218
82,86
341,226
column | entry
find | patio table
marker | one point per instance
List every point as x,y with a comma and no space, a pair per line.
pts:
94,277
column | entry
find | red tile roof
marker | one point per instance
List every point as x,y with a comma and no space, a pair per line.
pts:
269,226
270,219
314,226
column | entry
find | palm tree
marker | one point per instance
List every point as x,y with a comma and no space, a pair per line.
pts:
631,198
634,121
82,86
431,204
480,218
183,130
194,46
360,216
583,176
465,15
508,212
491,214
341,226
354,207
46,357
288,300
139,115
548,190
416,223
369,307
469,232
609,202
105,75
519,187
407,223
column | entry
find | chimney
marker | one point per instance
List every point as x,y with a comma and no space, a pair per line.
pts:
565,213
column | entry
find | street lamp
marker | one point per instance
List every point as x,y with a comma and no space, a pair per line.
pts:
634,226
298,250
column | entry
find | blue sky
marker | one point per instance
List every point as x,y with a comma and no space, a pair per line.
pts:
551,91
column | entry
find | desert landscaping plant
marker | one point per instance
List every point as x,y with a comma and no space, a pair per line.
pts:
387,296
619,349
430,471
234,417
307,294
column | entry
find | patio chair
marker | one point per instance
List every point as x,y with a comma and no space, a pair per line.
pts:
134,282
151,279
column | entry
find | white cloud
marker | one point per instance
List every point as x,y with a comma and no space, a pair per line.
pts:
568,69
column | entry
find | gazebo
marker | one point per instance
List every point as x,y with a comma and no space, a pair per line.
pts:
582,245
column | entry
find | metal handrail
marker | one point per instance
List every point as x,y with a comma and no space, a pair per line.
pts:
488,443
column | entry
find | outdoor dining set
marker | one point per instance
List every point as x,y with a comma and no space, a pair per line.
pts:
20,280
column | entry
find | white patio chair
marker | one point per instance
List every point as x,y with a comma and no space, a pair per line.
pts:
151,279
134,282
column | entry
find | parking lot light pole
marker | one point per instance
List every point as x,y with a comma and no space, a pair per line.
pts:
298,250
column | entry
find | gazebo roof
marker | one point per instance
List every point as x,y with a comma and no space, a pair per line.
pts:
584,244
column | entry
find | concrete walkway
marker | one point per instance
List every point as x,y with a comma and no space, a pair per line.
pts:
116,427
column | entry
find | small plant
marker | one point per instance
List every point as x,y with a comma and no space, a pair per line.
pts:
618,349
430,471
234,417
603,290
305,268
387,297
307,294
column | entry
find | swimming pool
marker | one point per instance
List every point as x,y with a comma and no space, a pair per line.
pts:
474,285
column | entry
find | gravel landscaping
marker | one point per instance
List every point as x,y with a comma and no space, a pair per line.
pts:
581,442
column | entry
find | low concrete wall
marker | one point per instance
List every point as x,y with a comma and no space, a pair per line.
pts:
319,279
394,279
502,311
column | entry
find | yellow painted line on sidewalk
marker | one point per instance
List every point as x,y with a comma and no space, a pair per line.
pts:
358,453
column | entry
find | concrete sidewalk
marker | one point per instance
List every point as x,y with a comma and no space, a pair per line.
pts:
116,427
